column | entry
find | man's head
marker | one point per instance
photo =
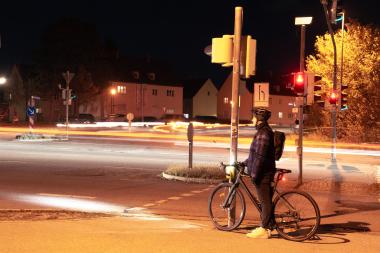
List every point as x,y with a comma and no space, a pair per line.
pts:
260,115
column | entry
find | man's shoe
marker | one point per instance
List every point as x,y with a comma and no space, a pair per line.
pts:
259,233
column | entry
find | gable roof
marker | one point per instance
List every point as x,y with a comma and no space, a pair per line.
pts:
192,86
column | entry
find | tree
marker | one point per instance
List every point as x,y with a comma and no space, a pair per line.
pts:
361,72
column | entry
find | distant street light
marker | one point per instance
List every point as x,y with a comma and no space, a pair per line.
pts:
3,80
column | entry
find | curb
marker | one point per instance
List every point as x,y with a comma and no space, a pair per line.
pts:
312,185
191,180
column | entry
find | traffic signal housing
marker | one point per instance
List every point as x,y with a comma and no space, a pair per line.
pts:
314,90
299,81
343,97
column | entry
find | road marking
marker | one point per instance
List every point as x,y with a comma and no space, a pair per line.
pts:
149,205
65,195
161,201
174,198
187,194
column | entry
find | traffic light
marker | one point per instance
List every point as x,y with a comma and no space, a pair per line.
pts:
333,98
343,97
314,88
299,81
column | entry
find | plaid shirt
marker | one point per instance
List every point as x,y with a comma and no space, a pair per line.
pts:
261,153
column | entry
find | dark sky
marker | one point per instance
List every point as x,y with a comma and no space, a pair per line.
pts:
176,31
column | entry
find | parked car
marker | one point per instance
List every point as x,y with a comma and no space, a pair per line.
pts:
116,117
83,118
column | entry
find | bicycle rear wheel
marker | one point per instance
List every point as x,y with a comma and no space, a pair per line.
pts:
296,215
219,207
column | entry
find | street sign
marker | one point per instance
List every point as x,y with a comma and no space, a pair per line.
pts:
130,116
261,95
68,76
31,111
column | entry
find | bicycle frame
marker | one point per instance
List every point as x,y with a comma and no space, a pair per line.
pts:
239,181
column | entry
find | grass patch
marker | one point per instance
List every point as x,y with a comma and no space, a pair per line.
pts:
205,171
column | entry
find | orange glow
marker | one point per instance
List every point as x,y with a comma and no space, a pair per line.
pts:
113,91
299,79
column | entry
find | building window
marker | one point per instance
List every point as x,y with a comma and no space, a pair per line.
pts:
270,101
226,100
208,93
121,89
154,92
279,101
290,115
280,115
170,93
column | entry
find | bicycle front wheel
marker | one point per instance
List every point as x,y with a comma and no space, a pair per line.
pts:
296,215
226,209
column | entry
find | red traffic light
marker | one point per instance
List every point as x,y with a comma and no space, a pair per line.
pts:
333,98
299,82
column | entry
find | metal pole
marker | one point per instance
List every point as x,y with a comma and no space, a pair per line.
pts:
67,105
300,109
341,56
333,107
235,101
235,86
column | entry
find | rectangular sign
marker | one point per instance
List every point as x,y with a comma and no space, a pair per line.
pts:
261,95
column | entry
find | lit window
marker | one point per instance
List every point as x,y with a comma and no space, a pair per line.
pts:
121,89
280,115
226,100
170,93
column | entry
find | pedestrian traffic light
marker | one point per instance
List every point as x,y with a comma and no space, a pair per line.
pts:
299,83
343,97
333,98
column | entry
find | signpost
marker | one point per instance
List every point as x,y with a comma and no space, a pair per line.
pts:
130,117
68,77
261,95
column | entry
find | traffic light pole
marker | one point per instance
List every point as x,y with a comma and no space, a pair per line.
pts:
334,107
235,85
235,100
300,109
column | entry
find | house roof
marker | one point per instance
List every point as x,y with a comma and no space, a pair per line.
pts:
192,86
146,70
277,84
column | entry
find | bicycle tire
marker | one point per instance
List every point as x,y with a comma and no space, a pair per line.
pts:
215,202
296,215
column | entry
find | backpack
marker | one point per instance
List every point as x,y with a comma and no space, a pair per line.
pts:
279,143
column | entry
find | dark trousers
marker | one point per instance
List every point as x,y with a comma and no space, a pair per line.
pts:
265,193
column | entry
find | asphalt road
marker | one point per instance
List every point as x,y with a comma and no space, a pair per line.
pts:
149,214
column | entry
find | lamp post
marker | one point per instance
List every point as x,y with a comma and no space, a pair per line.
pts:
301,21
113,93
3,81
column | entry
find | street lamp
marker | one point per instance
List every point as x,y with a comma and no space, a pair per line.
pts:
3,80
113,93
301,21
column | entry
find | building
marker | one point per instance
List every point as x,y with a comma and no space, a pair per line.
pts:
144,97
200,98
281,102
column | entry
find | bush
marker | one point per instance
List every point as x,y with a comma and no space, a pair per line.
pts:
205,171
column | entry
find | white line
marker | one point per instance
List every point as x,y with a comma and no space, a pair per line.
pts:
67,196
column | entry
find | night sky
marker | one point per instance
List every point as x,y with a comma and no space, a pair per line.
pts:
176,31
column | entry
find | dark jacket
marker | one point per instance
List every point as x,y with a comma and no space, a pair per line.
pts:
261,159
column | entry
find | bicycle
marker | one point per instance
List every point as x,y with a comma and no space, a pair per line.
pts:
296,214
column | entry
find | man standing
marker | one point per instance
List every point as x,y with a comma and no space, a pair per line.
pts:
262,167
